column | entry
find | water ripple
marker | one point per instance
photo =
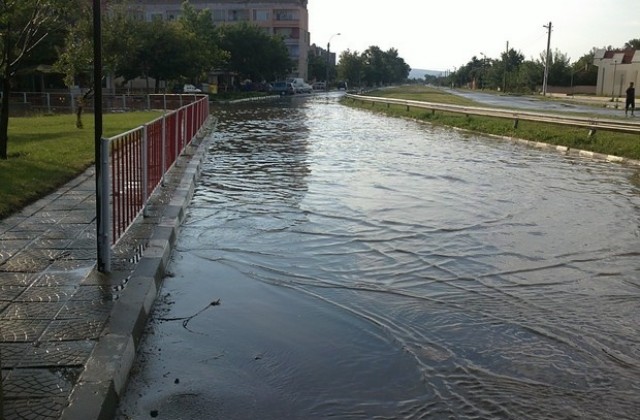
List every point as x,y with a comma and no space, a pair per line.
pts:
507,276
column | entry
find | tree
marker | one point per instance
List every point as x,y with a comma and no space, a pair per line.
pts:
203,41
633,43
317,65
583,70
253,53
383,67
511,61
559,68
351,67
24,24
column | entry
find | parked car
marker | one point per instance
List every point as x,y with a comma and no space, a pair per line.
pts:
283,88
319,86
300,86
190,89
342,85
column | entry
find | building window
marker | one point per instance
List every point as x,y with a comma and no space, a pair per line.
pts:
156,16
218,15
286,14
238,15
261,15
173,14
288,33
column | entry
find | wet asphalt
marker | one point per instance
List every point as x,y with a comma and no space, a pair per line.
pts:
67,332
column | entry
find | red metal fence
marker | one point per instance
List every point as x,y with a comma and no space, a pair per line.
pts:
134,163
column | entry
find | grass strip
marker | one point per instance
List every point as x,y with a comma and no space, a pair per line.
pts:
605,142
45,152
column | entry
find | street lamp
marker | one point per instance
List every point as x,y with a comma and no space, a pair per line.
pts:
326,82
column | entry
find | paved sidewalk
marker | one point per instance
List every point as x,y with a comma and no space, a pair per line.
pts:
68,333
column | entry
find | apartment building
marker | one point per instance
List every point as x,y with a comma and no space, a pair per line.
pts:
289,18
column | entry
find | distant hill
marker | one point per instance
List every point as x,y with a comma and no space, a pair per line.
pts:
420,73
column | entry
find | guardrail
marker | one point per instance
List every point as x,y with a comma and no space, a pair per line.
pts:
593,124
134,164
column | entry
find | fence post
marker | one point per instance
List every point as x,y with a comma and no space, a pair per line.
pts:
175,162
145,169
49,103
124,102
104,236
148,102
164,146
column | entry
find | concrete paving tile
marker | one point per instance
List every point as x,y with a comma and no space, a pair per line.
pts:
63,232
22,330
17,279
97,309
74,329
47,294
31,310
59,278
93,293
72,264
34,408
22,231
34,383
78,216
51,243
46,354
10,292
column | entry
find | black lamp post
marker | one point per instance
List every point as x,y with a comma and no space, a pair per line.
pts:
97,112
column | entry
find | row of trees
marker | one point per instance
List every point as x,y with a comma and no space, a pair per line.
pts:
60,33
511,72
373,67
186,49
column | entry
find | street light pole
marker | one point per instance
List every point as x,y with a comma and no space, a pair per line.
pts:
101,234
326,82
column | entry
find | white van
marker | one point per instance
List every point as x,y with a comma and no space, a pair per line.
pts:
300,85
190,89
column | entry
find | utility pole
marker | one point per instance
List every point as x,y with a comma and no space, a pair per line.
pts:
547,60
504,76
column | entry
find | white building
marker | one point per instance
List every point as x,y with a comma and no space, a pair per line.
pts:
616,69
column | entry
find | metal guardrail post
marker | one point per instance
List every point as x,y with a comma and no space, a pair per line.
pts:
105,206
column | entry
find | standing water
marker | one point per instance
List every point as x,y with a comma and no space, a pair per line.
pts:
369,267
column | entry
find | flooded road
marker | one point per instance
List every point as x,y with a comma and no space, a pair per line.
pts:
340,264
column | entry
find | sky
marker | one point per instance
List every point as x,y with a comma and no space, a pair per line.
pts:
445,34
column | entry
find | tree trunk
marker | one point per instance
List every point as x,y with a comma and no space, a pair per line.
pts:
4,117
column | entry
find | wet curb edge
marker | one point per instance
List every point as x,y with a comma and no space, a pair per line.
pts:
97,393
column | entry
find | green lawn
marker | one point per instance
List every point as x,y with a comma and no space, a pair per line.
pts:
47,151
623,145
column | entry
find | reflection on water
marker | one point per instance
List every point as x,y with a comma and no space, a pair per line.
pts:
454,276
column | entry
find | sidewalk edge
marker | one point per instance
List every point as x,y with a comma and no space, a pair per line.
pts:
97,393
